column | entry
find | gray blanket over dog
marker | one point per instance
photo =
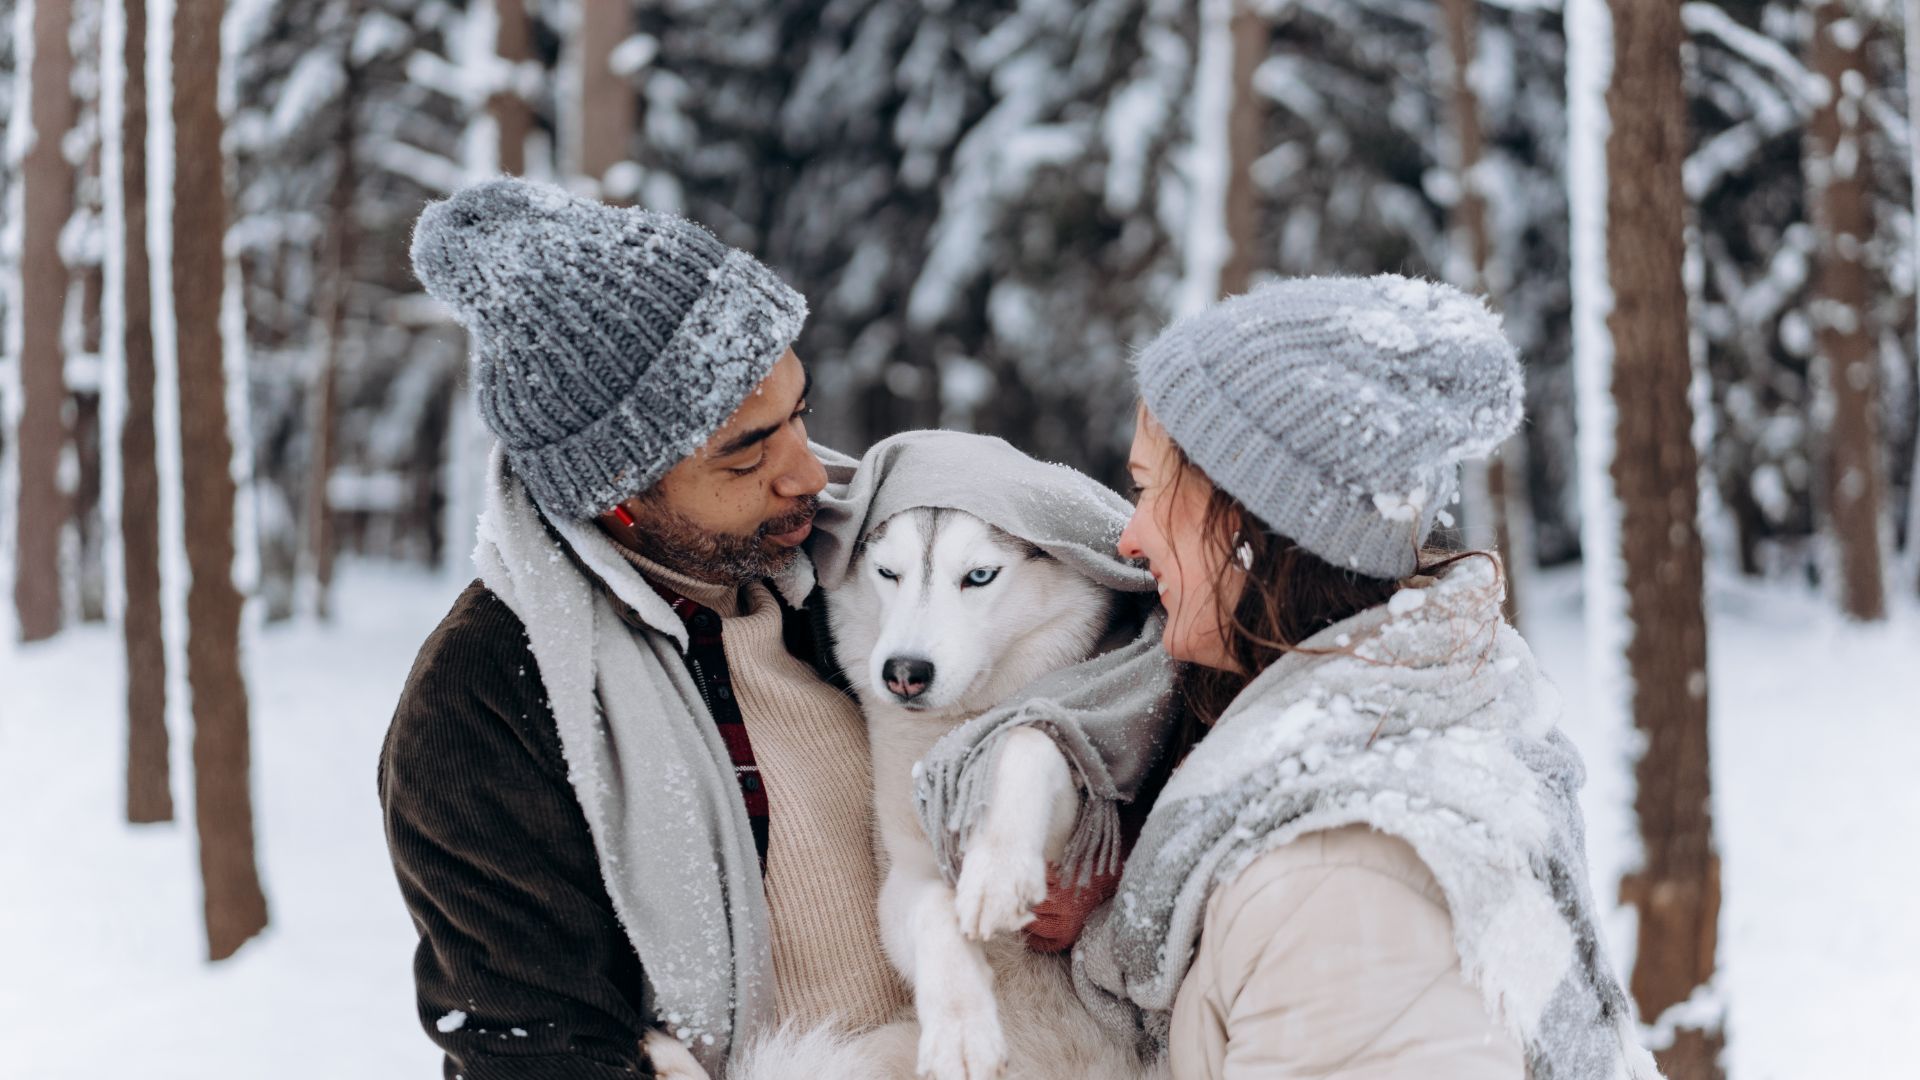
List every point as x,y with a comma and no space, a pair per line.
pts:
1110,714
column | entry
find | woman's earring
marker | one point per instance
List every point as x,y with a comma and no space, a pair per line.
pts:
1242,552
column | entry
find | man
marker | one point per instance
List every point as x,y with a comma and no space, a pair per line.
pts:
625,794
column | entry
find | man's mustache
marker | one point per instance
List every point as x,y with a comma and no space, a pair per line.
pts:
801,515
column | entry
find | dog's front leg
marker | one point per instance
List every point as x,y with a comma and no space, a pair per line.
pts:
960,1035
1027,820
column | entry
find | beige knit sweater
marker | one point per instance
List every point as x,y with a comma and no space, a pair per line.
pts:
822,881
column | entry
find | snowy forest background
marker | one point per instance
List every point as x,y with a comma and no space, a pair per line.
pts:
219,378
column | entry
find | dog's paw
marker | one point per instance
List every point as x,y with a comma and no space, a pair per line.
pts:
962,1048
999,885
671,1060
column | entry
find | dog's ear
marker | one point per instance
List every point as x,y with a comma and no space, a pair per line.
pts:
872,536
1014,545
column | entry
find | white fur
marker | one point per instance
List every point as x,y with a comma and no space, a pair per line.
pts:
987,1007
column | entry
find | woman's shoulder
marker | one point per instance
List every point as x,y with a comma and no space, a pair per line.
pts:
1351,864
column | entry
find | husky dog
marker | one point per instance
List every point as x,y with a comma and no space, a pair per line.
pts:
943,617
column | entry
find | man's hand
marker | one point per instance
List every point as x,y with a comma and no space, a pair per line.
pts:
671,1061
1058,920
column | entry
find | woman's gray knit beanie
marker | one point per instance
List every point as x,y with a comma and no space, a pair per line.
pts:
1337,410
610,343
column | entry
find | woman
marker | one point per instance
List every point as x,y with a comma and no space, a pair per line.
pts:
1370,863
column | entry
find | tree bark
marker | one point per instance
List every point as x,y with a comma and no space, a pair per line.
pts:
1654,473
149,786
606,98
338,287
235,907
512,116
1246,133
47,182
1854,484
1469,228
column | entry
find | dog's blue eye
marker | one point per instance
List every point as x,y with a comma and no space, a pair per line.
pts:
886,573
983,576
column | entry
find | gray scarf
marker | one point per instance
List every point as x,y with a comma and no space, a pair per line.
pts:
653,778
1110,715
1428,720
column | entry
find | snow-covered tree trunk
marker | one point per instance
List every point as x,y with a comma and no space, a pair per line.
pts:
1207,245
497,143
47,182
81,245
604,127
127,342
1639,492
235,907
1912,18
1493,506
1854,485
1246,132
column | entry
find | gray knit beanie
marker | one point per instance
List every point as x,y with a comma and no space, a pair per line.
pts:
610,343
1337,410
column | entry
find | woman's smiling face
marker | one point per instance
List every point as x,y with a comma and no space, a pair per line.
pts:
1169,531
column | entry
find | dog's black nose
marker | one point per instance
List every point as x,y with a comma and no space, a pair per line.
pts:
908,677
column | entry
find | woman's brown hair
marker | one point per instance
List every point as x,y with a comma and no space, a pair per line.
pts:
1287,595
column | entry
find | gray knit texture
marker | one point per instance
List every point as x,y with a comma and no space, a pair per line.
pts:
609,343
1338,409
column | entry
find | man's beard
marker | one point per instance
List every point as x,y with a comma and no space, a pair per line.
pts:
671,539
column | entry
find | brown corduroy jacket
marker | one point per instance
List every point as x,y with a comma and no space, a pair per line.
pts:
523,969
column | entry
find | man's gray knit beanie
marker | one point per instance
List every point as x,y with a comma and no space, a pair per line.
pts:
1337,410
610,343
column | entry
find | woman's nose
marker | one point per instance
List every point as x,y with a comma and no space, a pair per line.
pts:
1129,545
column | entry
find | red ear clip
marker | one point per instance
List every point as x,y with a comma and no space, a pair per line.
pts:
621,515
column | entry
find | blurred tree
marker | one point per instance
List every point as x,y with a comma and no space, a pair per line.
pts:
603,137
128,351
236,909
1645,561
349,117
981,201
47,181
1246,131
1910,11
1838,182
1492,504
336,267
82,247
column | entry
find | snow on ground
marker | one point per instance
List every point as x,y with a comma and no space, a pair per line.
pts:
101,951
100,948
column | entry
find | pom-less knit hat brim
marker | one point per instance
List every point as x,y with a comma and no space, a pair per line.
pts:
610,343
1338,410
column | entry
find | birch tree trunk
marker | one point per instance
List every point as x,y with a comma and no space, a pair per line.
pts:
47,181
1853,481
1493,481
236,909
1640,493
130,317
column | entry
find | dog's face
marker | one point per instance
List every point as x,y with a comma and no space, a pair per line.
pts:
943,613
